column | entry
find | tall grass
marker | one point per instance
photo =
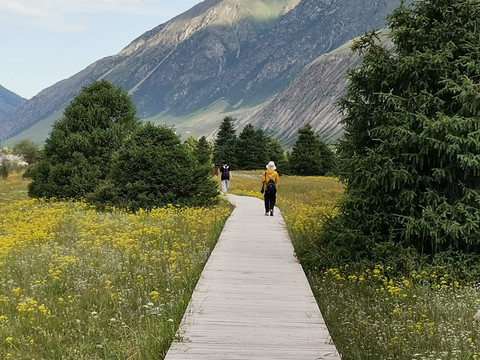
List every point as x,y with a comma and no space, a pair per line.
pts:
373,313
376,314
79,284
13,188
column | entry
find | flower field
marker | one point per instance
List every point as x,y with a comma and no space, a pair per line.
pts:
80,284
373,313
376,314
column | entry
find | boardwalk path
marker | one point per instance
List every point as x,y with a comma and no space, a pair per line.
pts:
253,300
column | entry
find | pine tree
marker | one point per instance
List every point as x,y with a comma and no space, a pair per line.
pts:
251,152
310,156
191,143
203,151
410,157
225,144
78,153
276,153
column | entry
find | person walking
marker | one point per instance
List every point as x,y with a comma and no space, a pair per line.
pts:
269,187
225,177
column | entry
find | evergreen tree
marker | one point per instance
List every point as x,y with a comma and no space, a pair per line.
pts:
251,149
276,153
203,151
78,152
225,144
154,169
310,156
410,157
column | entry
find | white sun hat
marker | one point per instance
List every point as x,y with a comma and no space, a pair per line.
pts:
271,166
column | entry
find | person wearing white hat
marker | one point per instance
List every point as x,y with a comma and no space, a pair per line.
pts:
269,187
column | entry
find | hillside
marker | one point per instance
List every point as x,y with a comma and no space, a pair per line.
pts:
221,57
311,98
9,101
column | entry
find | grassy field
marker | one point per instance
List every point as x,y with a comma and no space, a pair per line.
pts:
13,188
375,314
79,284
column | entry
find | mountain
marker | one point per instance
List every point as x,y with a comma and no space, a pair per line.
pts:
9,101
225,57
311,98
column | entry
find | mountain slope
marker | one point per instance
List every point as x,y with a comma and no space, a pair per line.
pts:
219,57
311,98
9,101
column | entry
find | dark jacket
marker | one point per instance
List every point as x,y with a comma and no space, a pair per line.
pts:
225,170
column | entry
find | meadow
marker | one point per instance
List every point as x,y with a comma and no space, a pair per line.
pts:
372,312
80,284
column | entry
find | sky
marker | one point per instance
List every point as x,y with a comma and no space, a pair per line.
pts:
45,41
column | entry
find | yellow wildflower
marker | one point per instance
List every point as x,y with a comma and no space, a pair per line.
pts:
154,294
16,291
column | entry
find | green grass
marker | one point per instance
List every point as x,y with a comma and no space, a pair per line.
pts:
79,284
376,314
59,298
13,188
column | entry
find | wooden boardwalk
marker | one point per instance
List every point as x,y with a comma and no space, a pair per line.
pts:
253,300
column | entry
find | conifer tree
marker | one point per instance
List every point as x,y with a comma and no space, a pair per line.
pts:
203,151
78,153
276,153
410,157
191,143
310,156
225,144
251,148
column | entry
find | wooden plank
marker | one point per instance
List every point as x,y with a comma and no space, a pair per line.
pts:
253,300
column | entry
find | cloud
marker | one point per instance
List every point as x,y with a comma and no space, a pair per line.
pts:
61,14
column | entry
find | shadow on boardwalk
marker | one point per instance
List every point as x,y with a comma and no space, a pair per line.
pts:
253,300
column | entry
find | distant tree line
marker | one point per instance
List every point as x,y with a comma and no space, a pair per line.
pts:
253,149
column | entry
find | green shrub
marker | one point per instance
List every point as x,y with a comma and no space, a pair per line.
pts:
154,169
